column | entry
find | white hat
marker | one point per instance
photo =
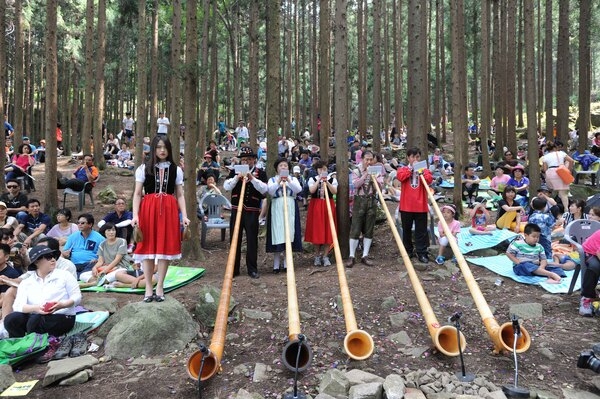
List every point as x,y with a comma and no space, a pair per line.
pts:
296,169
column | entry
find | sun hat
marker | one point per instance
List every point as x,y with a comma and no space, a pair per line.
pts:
246,152
39,251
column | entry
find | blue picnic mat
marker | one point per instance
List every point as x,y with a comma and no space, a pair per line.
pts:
468,242
88,321
177,276
500,264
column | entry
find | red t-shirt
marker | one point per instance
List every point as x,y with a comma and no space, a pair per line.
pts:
413,196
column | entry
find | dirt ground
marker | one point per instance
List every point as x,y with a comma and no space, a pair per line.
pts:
550,364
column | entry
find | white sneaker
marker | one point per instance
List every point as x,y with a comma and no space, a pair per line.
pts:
326,261
317,261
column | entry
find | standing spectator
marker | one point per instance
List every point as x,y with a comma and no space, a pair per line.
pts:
550,163
242,133
318,229
86,173
34,225
157,213
364,211
413,205
121,218
128,123
59,134
163,124
222,126
15,200
276,219
9,131
82,247
253,195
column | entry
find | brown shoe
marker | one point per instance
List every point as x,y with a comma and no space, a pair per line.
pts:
350,262
365,261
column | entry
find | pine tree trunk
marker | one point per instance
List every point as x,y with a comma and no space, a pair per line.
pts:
273,83
324,70
141,119
176,75
88,99
418,92
583,125
18,119
563,72
510,83
253,71
530,92
486,110
548,87
361,34
154,73
341,107
99,98
51,63
376,62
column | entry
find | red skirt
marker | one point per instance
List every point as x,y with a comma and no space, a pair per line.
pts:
318,230
161,228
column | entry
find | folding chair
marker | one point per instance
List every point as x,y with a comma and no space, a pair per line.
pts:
576,233
210,212
87,189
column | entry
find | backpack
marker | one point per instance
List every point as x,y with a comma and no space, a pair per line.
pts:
14,351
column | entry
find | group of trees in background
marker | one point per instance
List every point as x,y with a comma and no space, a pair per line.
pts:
432,65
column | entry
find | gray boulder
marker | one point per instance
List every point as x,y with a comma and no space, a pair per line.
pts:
393,387
148,329
371,390
334,383
208,303
7,377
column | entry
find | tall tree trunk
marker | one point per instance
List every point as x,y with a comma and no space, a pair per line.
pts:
154,72
71,132
88,102
176,75
444,90
459,92
51,201
549,101
418,92
376,61
583,125
213,97
141,118
520,121
497,80
296,113
253,71
99,98
291,61
340,71
486,103
19,102
530,93
563,72
238,97
3,78
190,248
324,68
203,132
361,35
398,64
273,83
475,53
314,73
511,125
386,75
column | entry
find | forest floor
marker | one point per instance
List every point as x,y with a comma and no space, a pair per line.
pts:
557,337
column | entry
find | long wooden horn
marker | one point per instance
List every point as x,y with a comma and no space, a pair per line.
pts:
443,337
297,354
212,359
357,343
502,336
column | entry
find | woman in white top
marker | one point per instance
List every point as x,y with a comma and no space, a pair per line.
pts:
550,162
5,220
64,227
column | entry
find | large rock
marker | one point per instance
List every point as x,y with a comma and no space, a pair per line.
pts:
334,383
208,303
148,329
59,369
7,377
100,303
371,390
393,387
356,377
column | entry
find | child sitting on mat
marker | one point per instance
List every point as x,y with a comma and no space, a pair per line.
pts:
448,211
528,256
479,218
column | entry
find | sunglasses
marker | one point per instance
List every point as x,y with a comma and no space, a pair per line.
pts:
48,257
12,186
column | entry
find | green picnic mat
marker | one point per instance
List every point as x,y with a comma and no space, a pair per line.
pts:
177,276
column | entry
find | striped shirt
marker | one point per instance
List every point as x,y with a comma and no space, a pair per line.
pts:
525,252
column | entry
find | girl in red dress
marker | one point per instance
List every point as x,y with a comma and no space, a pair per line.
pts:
157,214
318,230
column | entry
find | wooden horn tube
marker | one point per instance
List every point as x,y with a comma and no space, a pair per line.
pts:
357,343
212,361
503,337
290,356
443,337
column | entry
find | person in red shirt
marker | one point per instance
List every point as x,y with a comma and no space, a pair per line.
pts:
413,205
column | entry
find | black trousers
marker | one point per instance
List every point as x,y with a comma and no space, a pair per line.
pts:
249,224
20,324
419,219
589,279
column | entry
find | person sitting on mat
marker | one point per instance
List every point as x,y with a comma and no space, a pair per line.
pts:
448,212
480,217
528,256
509,211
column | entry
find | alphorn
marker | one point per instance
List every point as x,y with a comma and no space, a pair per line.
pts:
212,360
297,354
357,343
503,337
443,337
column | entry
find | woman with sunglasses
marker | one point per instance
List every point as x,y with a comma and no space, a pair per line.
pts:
46,300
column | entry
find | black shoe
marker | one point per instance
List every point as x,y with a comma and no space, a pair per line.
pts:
254,275
350,262
235,274
423,259
412,255
79,345
276,271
